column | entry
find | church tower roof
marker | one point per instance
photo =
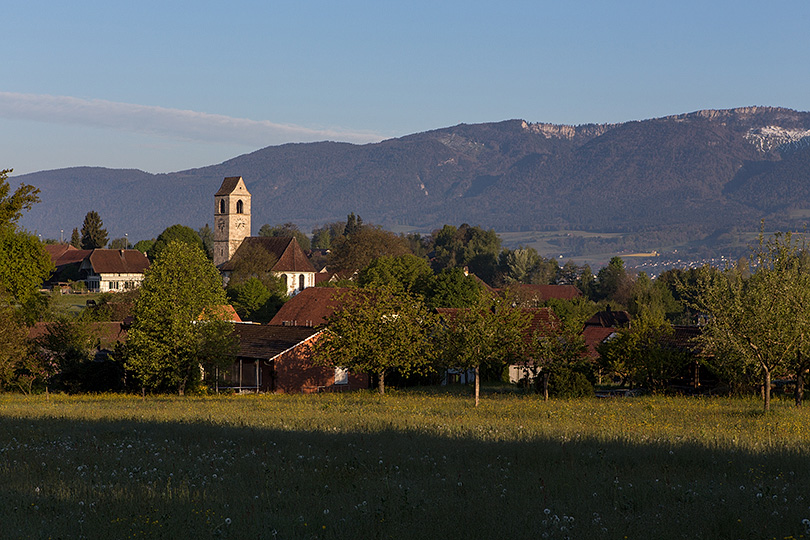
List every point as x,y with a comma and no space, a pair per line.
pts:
228,185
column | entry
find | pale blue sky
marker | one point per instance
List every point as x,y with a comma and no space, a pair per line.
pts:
164,85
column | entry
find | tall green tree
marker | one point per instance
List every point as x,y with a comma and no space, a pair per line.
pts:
378,331
176,328
492,332
24,263
473,247
175,233
94,235
76,238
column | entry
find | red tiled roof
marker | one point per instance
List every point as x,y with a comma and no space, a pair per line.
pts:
119,261
594,336
290,257
63,254
310,307
266,342
228,185
226,312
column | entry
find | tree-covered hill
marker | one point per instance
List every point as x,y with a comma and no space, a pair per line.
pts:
688,175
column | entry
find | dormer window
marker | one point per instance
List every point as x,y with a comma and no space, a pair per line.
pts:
239,207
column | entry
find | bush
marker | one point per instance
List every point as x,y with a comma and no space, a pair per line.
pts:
567,383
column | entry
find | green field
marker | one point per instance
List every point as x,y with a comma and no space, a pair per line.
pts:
409,465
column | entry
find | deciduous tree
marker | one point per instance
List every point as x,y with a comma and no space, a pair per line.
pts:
377,331
175,233
176,328
763,320
490,332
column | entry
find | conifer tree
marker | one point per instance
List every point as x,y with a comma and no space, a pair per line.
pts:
76,239
94,235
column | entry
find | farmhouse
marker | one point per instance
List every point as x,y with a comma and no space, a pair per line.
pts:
102,270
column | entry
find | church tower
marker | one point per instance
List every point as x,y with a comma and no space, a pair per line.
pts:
231,218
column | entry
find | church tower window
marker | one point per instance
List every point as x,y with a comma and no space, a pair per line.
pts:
239,207
222,207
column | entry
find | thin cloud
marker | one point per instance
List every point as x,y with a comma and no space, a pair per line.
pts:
166,122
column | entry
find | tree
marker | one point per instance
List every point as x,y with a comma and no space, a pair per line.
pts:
490,332
286,230
176,328
402,273
612,282
468,246
13,341
553,348
253,261
120,243
452,288
354,252
762,321
254,301
12,205
144,245
207,238
322,237
175,233
378,331
645,353
94,235
76,239
24,264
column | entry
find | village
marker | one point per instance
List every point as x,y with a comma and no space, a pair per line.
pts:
530,325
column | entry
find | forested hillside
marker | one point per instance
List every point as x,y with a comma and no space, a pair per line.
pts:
687,176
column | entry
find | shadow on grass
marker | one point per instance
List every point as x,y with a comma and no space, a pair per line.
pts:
63,478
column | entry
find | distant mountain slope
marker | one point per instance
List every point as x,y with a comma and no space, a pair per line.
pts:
700,171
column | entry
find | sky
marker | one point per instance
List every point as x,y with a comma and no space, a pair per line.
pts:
165,85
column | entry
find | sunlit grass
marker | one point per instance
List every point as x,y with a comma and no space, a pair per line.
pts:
407,465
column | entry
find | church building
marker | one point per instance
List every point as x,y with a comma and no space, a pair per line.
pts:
232,232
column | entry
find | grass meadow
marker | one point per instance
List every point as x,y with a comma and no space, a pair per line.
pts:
407,465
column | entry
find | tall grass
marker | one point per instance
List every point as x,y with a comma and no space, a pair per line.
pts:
403,466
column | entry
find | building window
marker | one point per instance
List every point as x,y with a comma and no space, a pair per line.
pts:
341,375
284,280
222,207
239,207
302,282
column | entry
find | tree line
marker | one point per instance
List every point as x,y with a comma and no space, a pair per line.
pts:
754,318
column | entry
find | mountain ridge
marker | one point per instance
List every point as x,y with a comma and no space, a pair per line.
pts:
695,172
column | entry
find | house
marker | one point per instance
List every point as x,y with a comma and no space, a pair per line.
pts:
112,270
277,359
601,327
102,270
232,227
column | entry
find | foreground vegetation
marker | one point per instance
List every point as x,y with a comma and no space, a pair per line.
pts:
408,464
